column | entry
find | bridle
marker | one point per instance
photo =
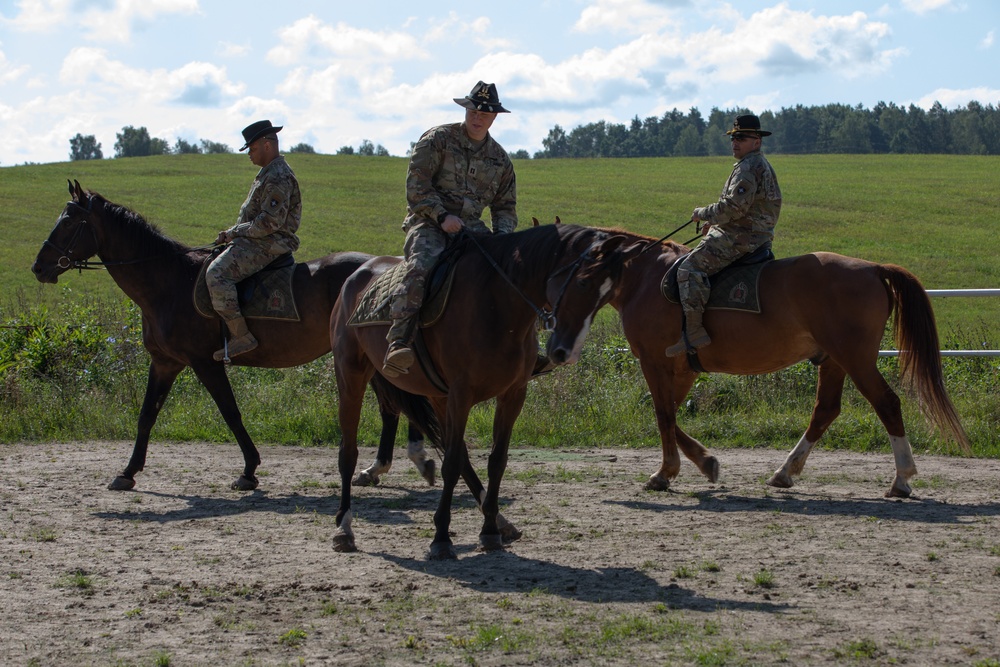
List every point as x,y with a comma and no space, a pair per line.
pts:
66,261
546,318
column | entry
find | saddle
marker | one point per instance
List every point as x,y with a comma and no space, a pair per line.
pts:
735,287
266,294
373,306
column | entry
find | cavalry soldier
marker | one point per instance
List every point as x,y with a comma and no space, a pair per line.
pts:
264,230
455,172
740,222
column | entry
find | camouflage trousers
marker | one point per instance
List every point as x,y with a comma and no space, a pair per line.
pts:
241,259
424,244
717,250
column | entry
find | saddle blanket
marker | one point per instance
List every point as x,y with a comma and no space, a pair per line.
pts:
373,307
265,295
733,288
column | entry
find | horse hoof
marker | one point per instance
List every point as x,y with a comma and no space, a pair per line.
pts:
712,469
490,543
121,483
244,484
657,483
509,533
442,551
897,492
781,481
344,543
428,472
364,478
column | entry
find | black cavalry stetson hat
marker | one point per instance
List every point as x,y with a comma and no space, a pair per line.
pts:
482,98
748,124
255,131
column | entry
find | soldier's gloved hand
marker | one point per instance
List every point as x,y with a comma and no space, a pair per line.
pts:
452,224
223,237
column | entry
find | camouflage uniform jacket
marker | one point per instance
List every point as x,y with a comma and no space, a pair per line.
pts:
449,174
272,212
750,201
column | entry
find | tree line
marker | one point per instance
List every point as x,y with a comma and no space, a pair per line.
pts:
137,142
834,128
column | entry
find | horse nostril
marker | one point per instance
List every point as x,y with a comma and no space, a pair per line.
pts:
558,356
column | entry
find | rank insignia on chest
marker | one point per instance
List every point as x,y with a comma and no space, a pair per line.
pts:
741,190
274,203
472,170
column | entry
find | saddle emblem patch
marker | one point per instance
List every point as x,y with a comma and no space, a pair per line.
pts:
739,293
276,301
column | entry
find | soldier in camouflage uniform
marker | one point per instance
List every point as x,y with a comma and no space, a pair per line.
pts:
455,172
264,230
740,222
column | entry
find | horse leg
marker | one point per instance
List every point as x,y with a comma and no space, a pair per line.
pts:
351,389
508,408
660,380
829,389
214,377
873,387
456,459
418,455
161,378
383,459
698,455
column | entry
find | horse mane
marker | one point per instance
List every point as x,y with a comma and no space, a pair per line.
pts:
530,247
139,234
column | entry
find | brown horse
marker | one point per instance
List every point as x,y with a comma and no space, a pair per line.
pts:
483,346
159,274
827,308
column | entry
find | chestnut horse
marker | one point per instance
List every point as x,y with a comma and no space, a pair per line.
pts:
483,346
822,307
159,274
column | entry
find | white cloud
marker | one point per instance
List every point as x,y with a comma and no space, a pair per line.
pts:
38,15
195,83
629,16
114,24
951,98
9,72
924,6
987,41
311,39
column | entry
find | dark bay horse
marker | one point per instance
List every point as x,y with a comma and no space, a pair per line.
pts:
159,274
826,308
483,346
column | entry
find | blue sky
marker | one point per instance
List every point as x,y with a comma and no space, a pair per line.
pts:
337,72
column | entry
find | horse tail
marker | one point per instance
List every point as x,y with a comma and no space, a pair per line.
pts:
915,333
416,408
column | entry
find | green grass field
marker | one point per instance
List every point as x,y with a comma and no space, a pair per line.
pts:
935,215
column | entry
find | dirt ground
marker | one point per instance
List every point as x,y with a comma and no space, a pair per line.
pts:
184,571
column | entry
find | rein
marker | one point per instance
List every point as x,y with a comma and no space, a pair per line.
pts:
661,240
546,318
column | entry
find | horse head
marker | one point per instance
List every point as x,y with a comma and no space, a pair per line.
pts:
579,289
72,240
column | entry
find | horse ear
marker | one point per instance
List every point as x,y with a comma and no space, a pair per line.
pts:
534,221
77,191
70,183
608,245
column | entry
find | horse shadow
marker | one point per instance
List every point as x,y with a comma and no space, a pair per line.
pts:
506,572
915,509
374,509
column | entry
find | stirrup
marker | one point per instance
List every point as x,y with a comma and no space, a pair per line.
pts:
687,344
398,359
231,348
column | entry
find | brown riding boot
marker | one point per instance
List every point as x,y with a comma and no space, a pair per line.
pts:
399,357
694,335
240,340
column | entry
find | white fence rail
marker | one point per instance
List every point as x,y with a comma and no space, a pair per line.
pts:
956,353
